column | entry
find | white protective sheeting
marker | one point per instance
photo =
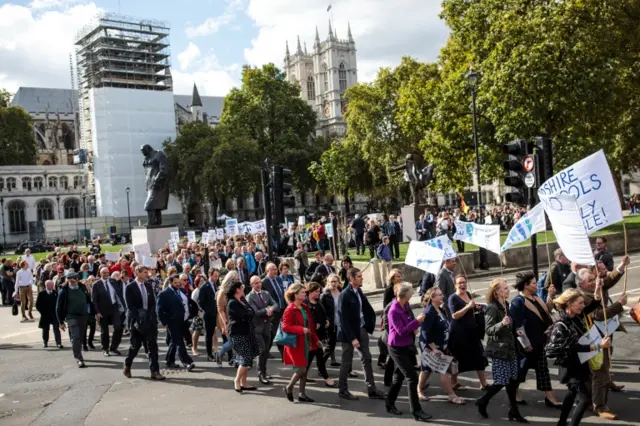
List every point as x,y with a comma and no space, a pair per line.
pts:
122,120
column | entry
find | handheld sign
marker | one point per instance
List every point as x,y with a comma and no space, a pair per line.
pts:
191,235
149,262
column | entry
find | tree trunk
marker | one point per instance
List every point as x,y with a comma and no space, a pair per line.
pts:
617,181
214,211
346,201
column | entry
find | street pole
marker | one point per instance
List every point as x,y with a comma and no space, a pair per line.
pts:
84,210
534,237
127,189
4,235
59,217
266,200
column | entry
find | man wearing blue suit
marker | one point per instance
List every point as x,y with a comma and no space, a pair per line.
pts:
173,311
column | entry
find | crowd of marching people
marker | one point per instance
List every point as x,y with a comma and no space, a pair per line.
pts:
242,303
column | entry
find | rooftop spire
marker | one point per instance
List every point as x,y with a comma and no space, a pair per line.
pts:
349,29
299,51
195,97
317,36
305,48
287,49
330,31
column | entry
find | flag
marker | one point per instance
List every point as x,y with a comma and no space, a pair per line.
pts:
529,224
487,236
329,8
424,256
463,205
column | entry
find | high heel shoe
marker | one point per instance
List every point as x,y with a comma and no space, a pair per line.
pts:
289,394
421,416
550,404
515,416
393,410
482,408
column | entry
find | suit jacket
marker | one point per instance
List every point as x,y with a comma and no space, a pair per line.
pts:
349,315
276,296
207,300
261,320
46,306
444,281
260,268
170,309
101,298
244,278
133,299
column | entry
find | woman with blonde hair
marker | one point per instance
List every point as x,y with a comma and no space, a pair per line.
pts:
329,300
223,320
564,348
501,348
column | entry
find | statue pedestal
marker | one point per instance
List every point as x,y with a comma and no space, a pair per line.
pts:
157,237
410,215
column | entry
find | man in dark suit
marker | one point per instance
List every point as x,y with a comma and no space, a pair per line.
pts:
272,283
208,303
46,306
142,322
261,264
173,311
359,227
445,281
243,273
357,321
109,306
264,307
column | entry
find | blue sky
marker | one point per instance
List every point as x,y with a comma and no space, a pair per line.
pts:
212,39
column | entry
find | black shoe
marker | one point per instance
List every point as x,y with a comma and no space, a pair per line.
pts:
106,353
550,404
85,348
311,380
421,416
190,367
376,394
248,388
522,402
352,374
210,358
393,410
515,415
264,380
172,365
219,360
115,352
46,345
60,347
482,408
335,364
348,396
382,365
91,346
81,364
268,376
305,398
288,394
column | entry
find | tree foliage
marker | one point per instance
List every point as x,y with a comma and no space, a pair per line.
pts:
17,141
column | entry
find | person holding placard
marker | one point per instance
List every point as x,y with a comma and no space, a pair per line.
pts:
501,348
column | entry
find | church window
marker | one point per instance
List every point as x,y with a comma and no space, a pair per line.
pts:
325,76
38,183
71,208
64,182
17,217
26,183
53,182
77,182
342,76
45,210
311,88
11,183
1,184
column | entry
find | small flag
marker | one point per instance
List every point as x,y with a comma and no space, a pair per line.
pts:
329,8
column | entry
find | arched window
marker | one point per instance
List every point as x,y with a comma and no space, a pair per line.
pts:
71,208
26,183
53,182
311,88
1,184
38,183
77,182
17,217
325,76
45,210
11,183
342,76
64,182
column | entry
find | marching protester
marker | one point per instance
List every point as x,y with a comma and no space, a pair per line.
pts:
264,306
329,300
46,307
274,285
24,283
322,325
172,309
208,303
108,305
72,312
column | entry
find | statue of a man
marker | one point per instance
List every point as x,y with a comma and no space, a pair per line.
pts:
157,171
417,178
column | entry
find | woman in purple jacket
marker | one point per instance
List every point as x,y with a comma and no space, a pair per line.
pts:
402,331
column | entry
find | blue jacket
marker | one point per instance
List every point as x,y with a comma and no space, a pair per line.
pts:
169,306
434,328
384,252
250,261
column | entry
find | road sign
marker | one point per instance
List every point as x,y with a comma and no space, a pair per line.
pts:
530,180
528,163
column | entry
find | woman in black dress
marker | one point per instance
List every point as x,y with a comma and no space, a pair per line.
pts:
464,343
321,320
242,335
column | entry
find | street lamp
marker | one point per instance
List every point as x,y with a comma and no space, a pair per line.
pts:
127,190
473,78
59,217
4,235
84,210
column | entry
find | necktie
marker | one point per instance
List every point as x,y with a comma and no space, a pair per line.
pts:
143,292
261,298
278,292
241,276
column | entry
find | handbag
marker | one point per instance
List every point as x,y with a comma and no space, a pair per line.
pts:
14,309
285,339
635,312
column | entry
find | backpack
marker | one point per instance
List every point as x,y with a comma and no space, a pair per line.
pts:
541,291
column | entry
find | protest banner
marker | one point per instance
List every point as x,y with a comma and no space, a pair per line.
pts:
173,245
220,234
245,228
487,236
150,262
438,363
216,264
175,235
591,183
112,256
443,242
301,221
191,236
564,214
612,325
205,238
591,338
259,226
142,250
126,249
528,225
212,235
424,256
231,227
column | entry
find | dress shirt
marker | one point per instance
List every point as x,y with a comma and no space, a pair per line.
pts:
24,278
185,303
359,301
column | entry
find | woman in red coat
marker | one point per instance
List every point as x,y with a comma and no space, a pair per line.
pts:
297,320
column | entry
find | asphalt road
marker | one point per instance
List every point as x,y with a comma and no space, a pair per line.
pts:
44,387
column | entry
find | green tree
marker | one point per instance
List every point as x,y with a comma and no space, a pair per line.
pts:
17,141
268,110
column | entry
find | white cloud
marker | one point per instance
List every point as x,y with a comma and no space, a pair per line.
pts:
383,30
211,77
35,46
187,56
212,25
51,4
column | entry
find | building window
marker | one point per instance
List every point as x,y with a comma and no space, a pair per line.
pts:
64,182
1,184
38,183
240,203
325,76
53,182
11,183
26,183
311,88
257,200
17,217
77,182
71,209
342,76
626,188
45,210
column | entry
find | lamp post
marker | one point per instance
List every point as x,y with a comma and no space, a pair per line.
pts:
4,235
59,217
127,190
84,210
473,78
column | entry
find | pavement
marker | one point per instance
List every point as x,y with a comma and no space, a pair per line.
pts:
44,387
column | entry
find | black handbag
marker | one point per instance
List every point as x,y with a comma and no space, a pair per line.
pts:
14,309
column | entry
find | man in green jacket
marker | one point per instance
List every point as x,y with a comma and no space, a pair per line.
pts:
72,310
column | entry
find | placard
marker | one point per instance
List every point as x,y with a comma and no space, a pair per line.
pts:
191,236
231,227
126,249
487,236
205,238
142,250
112,256
438,363
173,245
150,262
175,235
212,235
329,228
443,242
301,221
591,338
528,225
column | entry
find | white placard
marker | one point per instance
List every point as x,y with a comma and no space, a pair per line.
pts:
231,227
175,235
438,363
220,234
216,264
173,245
259,226
141,251
191,236
150,262
329,228
301,220
205,238
564,215
112,256
591,338
443,242
487,236
424,257
212,235
528,225
612,325
591,183
126,249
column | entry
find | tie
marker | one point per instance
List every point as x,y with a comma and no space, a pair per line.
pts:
241,276
143,292
278,292
261,298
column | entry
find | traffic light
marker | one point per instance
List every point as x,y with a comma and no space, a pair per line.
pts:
544,147
288,199
282,192
519,168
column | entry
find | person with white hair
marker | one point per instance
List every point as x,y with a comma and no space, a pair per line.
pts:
46,306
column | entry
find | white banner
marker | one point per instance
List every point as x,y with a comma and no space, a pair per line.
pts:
438,363
564,215
259,226
487,236
444,243
205,238
173,245
424,256
301,220
149,262
231,227
591,183
175,236
112,256
528,225
191,236
142,250
220,234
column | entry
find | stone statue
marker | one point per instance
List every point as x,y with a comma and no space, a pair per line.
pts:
157,172
418,179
